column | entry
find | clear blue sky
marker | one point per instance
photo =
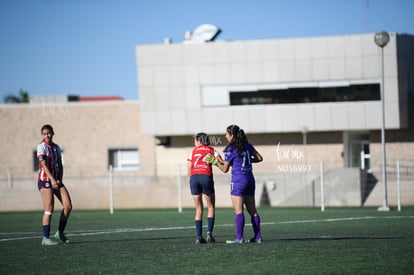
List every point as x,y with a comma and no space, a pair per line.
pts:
87,47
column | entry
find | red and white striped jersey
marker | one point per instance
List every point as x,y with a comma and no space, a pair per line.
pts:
51,153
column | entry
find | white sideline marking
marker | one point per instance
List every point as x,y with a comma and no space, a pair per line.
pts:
35,235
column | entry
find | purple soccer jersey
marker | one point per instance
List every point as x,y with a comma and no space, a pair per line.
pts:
242,179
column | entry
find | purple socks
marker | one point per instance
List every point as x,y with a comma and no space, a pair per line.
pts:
256,227
239,226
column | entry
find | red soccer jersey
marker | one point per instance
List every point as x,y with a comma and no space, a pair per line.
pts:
198,164
51,154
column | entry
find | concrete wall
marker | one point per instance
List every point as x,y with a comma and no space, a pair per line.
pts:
85,132
275,185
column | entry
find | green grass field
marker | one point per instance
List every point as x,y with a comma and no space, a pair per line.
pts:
297,241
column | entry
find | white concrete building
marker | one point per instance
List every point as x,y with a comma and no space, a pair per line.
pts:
318,96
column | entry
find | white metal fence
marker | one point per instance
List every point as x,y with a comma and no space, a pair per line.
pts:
115,189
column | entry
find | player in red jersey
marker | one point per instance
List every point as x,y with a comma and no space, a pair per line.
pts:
202,185
50,184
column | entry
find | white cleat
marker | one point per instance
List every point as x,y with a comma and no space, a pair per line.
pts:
47,241
62,237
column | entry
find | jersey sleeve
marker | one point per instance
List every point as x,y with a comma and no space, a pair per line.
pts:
190,156
228,155
41,152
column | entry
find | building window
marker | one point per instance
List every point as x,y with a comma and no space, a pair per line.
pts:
35,161
124,159
363,92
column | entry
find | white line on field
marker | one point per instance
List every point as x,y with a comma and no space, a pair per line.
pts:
35,235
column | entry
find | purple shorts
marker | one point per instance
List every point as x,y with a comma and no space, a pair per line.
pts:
243,188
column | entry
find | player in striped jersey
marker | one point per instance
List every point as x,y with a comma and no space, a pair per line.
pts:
50,184
202,185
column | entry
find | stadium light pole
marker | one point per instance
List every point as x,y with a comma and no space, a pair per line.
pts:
381,39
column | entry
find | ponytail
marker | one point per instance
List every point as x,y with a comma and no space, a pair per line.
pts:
239,138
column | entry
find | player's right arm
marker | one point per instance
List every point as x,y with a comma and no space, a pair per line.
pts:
224,166
53,181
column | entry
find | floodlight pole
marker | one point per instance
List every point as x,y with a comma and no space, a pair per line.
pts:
381,39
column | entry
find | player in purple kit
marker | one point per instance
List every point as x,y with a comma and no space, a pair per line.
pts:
240,154
50,184
202,185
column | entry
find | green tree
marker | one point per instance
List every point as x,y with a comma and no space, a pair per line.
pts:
23,97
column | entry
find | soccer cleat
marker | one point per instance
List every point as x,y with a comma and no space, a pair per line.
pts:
62,237
254,240
47,241
210,238
200,240
235,241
